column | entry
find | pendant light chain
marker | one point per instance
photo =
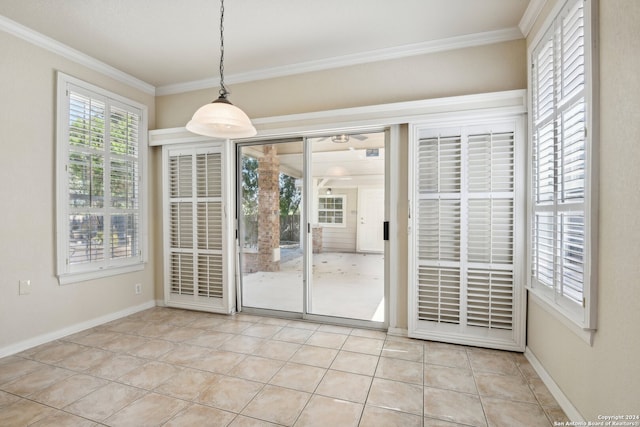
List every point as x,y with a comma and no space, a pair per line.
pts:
223,89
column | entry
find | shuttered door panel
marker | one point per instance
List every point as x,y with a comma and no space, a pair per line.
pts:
464,236
439,230
439,294
438,224
196,224
490,298
209,217
181,276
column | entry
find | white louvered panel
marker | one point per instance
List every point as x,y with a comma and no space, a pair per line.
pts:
124,132
428,166
571,238
502,231
572,68
124,184
86,122
125,239
572,159
449,162
439,294
181,225
209,174
209,226
543,248
181,276
86,180
85,245
490,162
439,160
439,230
490,299
490,231
180,176
210,275
544,164
543,82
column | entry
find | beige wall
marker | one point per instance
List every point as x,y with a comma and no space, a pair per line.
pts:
467,71
27,217
604,379
480,69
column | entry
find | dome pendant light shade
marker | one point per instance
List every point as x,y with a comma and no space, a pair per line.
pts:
221,119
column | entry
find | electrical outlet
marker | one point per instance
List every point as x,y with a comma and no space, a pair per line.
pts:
138,288
25,287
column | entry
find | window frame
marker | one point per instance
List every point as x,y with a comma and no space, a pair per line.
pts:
342,224
66,272
581,318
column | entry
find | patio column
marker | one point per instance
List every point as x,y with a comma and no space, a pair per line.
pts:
269,210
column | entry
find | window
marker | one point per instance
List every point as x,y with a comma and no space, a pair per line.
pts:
563,165
331,210
100,182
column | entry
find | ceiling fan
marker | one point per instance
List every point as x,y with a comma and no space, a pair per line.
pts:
343,138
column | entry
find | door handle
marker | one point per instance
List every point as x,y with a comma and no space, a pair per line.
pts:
385,230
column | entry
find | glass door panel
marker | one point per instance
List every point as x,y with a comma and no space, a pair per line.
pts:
270,217
346,216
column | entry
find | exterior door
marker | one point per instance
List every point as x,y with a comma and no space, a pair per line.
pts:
370,219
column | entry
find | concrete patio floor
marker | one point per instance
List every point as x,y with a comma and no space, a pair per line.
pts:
347,285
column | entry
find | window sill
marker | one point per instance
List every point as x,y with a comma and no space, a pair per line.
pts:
65,279
585,334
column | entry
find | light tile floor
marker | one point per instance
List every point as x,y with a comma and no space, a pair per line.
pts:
167,367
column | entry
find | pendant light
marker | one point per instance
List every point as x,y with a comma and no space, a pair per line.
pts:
220,118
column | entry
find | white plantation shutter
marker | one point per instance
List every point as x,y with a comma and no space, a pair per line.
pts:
464,236
560,156
197,228
100,219
439,224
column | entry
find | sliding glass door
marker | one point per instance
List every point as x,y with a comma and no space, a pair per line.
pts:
310,219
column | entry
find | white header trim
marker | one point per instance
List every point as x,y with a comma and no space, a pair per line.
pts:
495,104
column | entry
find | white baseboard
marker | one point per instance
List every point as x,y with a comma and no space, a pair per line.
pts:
570,411
78,327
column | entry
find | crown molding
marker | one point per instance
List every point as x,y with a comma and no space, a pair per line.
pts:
415,49
530,15
74,55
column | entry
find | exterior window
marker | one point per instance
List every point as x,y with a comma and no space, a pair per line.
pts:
100,221
331,210
562,165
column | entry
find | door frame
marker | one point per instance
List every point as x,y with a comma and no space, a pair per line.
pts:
306,236
395,116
